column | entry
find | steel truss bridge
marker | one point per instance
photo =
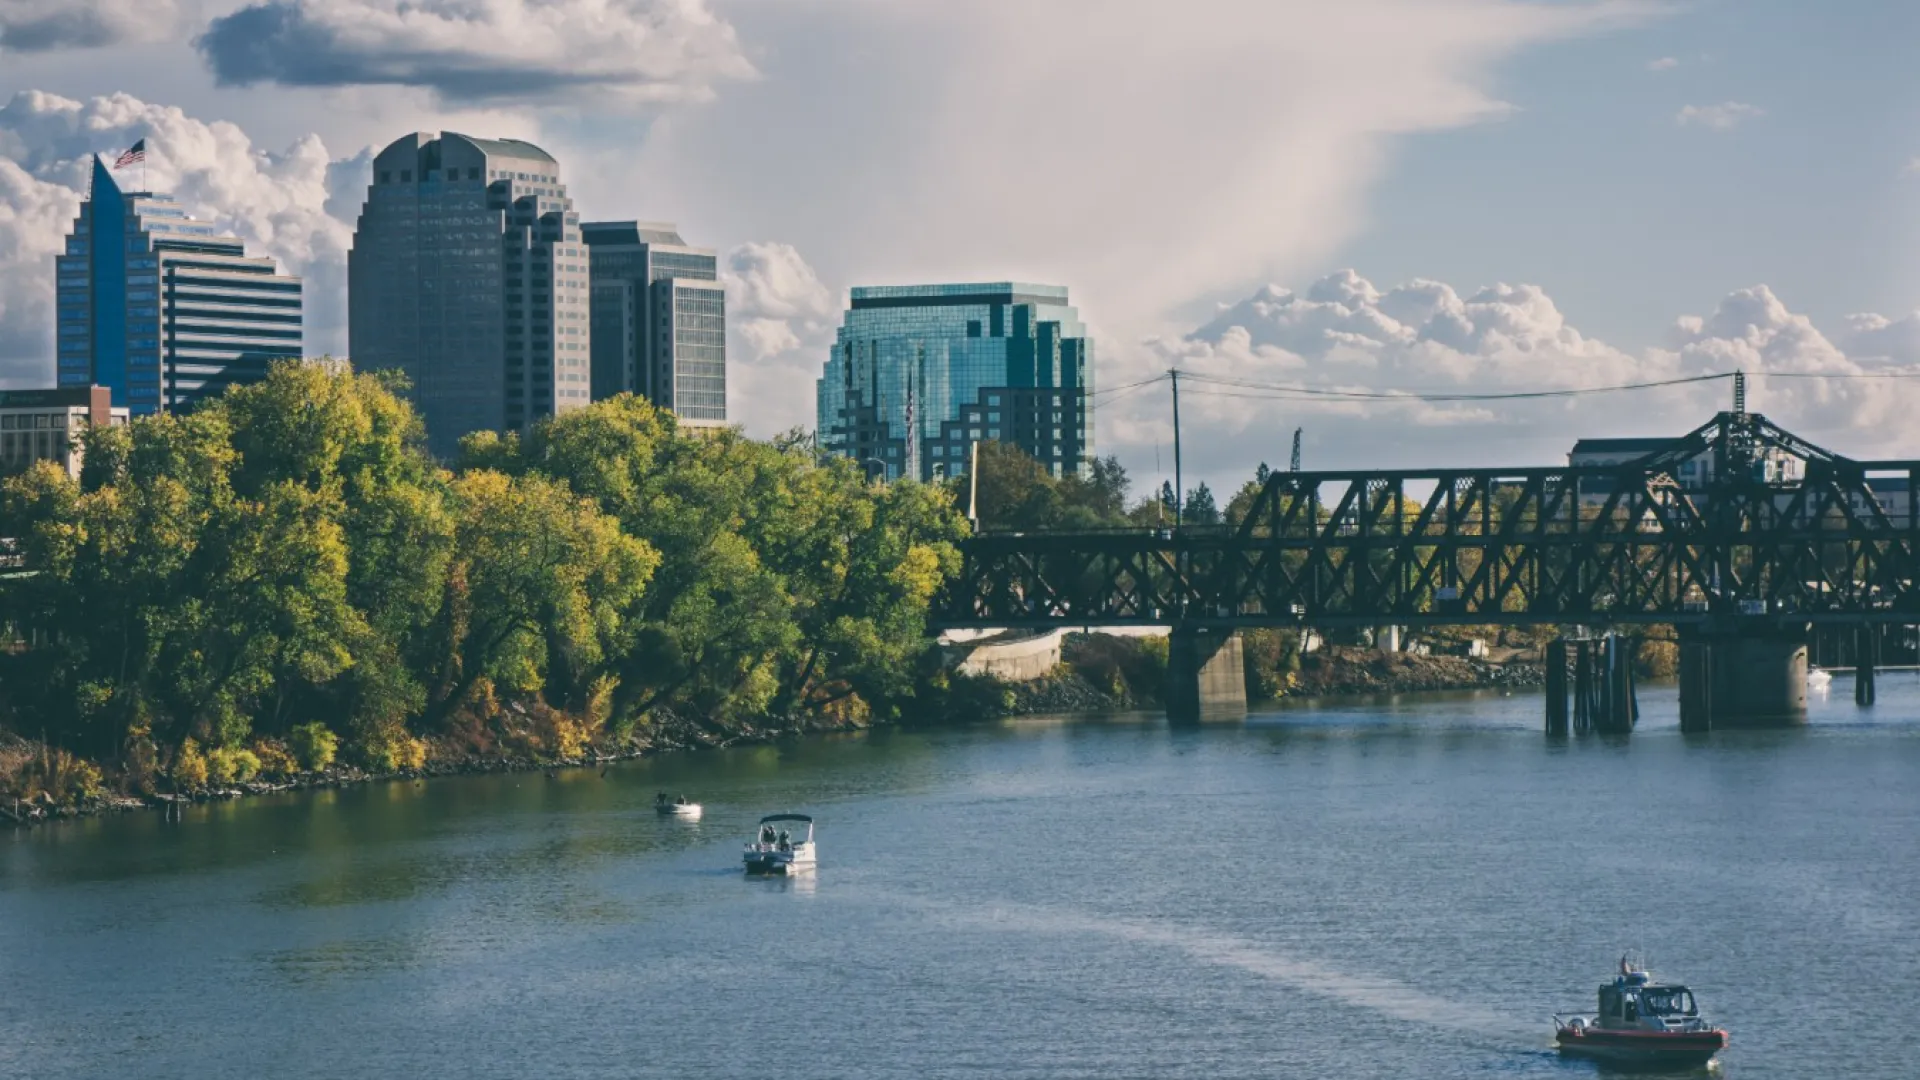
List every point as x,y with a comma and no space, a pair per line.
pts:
1595,545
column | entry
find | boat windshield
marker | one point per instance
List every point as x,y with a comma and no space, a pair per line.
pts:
1668,1001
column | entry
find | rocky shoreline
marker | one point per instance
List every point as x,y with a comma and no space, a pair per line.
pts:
672,736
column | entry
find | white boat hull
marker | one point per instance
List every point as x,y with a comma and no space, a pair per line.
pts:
769,861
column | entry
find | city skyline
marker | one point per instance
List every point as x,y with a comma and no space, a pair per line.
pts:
1547,195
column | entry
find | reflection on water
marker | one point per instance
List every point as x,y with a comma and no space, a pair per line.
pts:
1403,887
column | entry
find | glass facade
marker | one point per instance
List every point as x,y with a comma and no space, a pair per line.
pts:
659,319
919,373
468,273
161,309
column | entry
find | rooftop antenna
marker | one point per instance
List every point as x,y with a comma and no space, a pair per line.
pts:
1294,466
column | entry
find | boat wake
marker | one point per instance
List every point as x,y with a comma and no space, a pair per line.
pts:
1388,997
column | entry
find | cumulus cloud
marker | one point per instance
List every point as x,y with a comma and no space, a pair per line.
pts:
1664,63
1722,117
476,50
1142,153
277,201
45,25
1279,359
781,322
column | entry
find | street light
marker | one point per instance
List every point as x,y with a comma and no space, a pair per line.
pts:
876,461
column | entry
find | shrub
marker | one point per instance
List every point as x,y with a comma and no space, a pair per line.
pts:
275,759
59,776
313,746
189,767
231,765
1657,659
391,748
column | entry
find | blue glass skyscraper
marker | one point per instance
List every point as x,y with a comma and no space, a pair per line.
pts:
921,372
163,310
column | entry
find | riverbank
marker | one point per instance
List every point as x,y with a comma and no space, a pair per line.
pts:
1098,674
444,757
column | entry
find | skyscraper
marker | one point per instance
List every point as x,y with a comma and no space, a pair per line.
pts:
659,319
163,310
468,273
921,372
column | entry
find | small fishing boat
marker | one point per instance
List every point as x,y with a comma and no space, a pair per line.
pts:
775,849
678,806
1818,680
1644,1023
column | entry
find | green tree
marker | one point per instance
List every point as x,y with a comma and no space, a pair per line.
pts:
1200,508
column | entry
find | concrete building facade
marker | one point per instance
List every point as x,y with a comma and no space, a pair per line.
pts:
919,373
47,425
468,273
162,310
659,319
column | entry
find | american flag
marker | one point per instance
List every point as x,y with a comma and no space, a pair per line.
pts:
136,152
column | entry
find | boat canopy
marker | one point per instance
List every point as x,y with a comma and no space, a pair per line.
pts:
770,818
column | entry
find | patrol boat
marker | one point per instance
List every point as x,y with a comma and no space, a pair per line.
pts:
1642,1022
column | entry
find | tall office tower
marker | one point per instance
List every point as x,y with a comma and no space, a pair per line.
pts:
468,274
659,319
921,372
163,310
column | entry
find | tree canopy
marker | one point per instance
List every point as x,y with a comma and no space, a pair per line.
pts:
289,555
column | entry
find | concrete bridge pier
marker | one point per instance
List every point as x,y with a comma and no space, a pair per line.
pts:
1743,677
1206,674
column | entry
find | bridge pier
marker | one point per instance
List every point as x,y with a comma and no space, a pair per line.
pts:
1557,687
1206,674
1742,677
1869,653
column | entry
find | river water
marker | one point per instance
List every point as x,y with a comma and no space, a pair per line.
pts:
1404,888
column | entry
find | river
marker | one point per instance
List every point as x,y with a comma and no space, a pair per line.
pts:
1401,888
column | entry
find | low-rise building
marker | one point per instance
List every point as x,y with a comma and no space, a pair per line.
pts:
1694,475
47,425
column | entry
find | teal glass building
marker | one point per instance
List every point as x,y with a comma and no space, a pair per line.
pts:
163,310
919,373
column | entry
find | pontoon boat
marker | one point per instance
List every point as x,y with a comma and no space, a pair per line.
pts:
776,849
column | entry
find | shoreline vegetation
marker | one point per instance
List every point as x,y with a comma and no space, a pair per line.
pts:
282,589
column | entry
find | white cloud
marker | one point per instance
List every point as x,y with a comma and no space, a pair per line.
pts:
1345,335
1664,63
1141,153
277,201
46,25
479,50
1722,117
781,321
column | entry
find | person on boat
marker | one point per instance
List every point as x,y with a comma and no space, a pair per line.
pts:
660,799
766,834
680,800
786,840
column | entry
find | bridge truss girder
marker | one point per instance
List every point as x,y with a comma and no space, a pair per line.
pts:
1592,545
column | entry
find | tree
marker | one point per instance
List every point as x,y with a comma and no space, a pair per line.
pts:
542,589
1200,508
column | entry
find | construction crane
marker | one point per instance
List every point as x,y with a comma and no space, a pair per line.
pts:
1295,465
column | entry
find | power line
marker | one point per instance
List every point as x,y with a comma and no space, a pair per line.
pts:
1282,392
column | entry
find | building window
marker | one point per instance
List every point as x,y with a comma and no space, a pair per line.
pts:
406,176
386,176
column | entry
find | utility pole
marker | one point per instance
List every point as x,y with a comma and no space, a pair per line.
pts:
1179,490
1295,465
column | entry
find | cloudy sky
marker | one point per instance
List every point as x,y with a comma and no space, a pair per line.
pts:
1362,195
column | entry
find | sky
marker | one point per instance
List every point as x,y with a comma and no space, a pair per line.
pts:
1363,197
